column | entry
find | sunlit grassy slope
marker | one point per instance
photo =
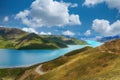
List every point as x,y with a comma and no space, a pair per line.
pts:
89,65
13,38
101,63
84,64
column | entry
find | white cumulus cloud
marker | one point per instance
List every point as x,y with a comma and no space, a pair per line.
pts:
90,3
48,13
105,28
2,26
74,5
30,30
111,3
45,33
68,33
87,33
6,19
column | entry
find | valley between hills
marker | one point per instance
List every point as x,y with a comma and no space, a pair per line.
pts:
59,39
100,63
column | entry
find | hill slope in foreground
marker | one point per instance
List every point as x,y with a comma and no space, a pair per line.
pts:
84,64
13,38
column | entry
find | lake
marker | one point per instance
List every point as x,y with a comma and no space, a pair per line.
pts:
24,58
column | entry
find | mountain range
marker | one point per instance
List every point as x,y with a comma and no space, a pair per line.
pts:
108,38
13,38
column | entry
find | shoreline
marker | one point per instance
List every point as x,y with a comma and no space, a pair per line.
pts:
33,65
27,66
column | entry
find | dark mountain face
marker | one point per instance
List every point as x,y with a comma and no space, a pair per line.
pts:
17,39
10,32
29,37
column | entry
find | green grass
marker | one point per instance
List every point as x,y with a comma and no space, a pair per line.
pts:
15,73
8,44
24,42
64,40
34,41
13,38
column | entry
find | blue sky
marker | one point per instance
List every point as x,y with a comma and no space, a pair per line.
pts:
78,18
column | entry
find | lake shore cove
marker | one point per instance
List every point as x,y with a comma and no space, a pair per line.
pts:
83,64
26,72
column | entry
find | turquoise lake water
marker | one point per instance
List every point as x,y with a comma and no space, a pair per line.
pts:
24,58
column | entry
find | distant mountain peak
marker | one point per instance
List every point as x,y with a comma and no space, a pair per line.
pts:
10,31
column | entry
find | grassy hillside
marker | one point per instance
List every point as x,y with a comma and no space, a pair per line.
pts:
62,60
15,73
111,47
34,41
87,66
83,64
92,64
13,38
61,39
10,33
